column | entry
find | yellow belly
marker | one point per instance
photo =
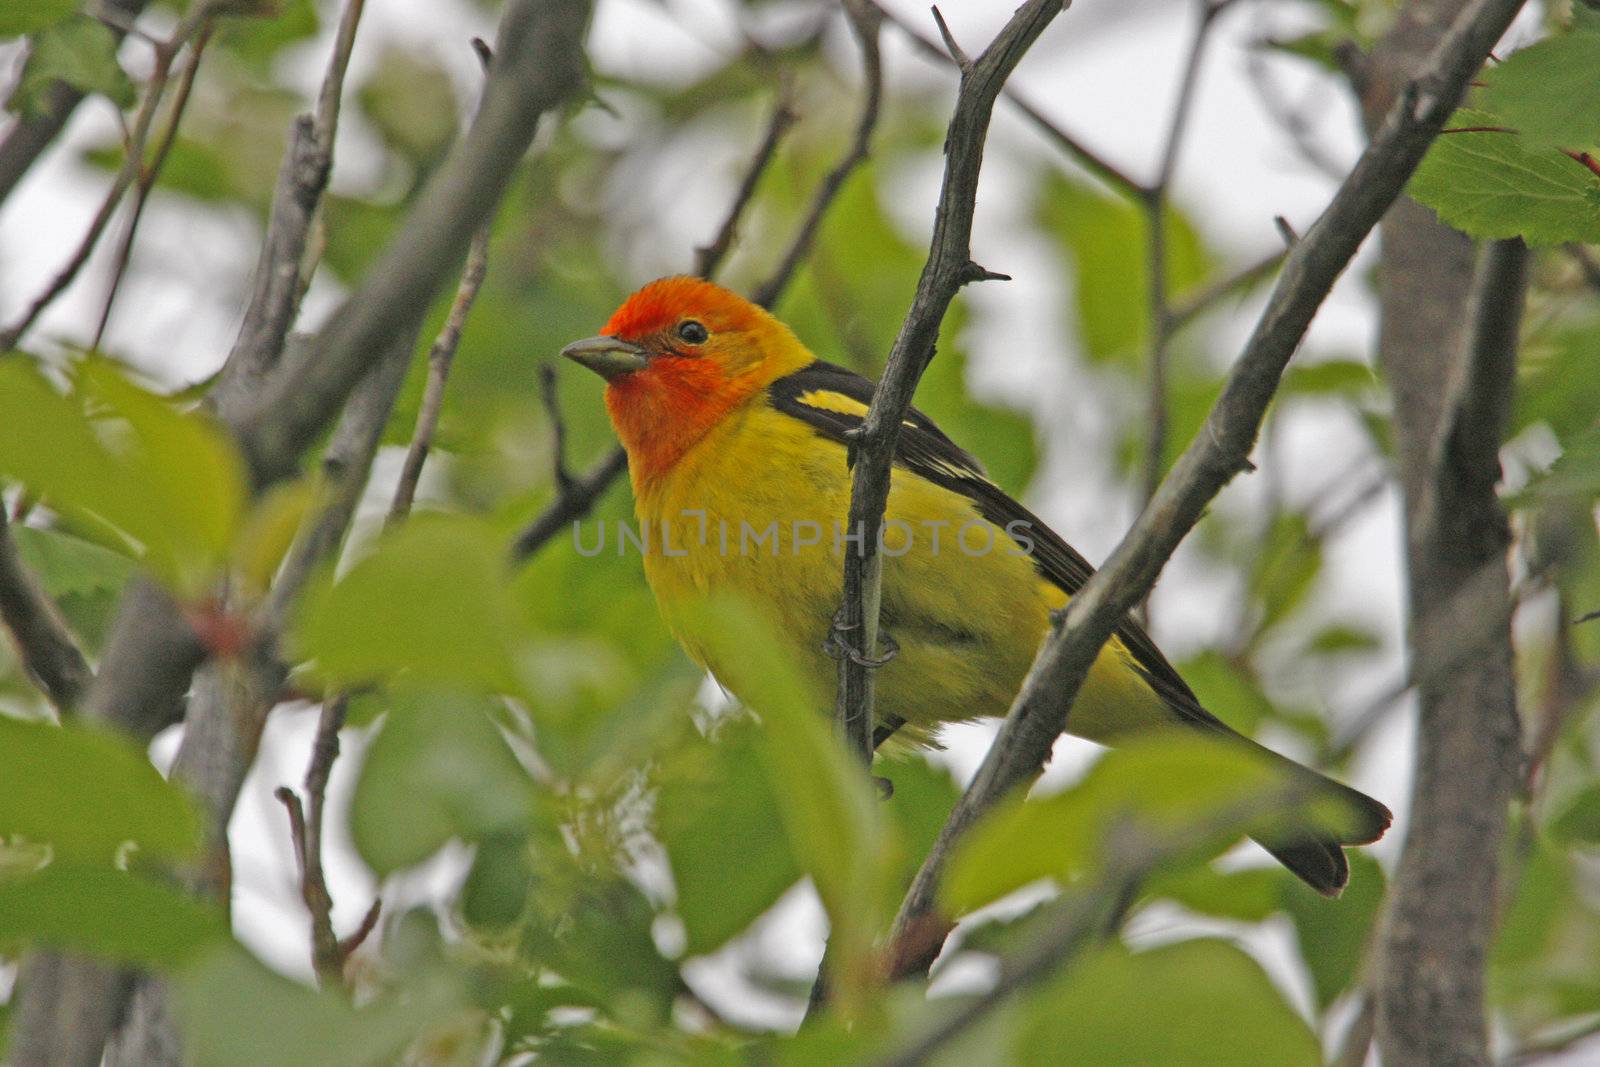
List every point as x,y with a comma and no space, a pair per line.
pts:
961,599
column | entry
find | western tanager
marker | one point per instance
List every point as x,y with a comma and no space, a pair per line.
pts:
735,438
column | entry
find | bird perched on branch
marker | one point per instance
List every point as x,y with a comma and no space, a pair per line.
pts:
737,437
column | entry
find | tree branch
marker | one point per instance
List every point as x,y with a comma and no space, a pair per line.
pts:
864,20
1039,713
302,179
148,173
29,136
1443,908
1086,157
537,64
152,653
949,266
44,641
707,258
166,52
1154,202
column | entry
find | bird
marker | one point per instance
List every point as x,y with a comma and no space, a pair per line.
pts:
738,439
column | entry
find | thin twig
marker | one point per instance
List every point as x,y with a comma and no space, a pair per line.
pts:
558,427
570,506
440,358
49,653
328,952
707,258
1086,157
864,22
29,135
132,163
1186,309
1220,450
147,180
1154,203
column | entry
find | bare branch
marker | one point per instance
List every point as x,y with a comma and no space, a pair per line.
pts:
1219,451
537,64
1443,908
147,179
44,641
440,358
328,952
708,258
1184,311
1086,157
570,506
198,17
30,135
948,267
1154,202
864,22
280,281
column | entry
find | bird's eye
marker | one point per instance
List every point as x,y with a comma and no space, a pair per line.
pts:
692,332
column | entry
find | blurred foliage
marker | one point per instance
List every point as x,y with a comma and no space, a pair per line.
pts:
611,830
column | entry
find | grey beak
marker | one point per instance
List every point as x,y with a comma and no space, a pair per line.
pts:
609,357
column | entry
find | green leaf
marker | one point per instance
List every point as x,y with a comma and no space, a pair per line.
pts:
234,1012
1492,185
80,51
1579,821
719,822
1228,688
112,455
1201,1002
1558,381
1160,785
115,914
1328,377
87,792
496,890
1248,895
1104,238
1333,935
1285,568
31,16
430,605
1548,92
828,809
922,799
84,579
438,770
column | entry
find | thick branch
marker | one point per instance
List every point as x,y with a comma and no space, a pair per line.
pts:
537,64
43,640
152,653
1442,912
1219,451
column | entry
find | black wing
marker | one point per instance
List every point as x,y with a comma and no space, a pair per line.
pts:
923,449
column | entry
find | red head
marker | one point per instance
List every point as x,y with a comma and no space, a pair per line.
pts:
678,356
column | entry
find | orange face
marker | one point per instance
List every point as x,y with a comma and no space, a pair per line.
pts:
677,356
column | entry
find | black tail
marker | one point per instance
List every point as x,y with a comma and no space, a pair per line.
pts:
1315,854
